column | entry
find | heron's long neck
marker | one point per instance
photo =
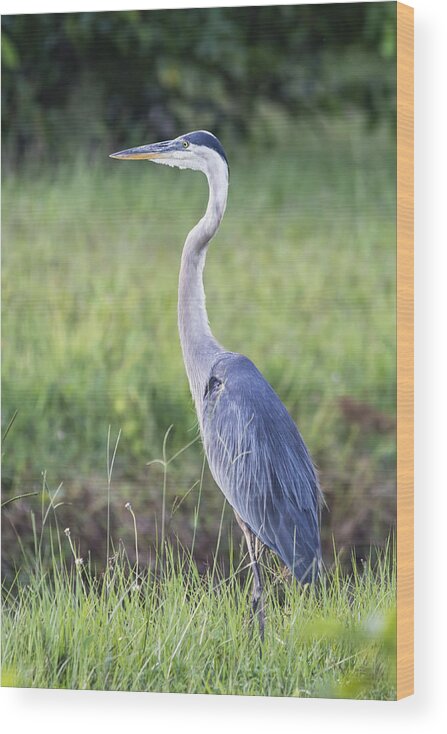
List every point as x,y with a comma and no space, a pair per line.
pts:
199,346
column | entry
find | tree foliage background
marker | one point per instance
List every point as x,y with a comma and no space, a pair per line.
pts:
96,76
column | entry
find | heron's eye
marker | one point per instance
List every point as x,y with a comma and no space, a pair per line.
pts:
185,143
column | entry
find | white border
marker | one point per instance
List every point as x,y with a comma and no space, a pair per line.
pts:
73,711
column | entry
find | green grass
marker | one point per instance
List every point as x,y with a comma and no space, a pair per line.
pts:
301,278
178,631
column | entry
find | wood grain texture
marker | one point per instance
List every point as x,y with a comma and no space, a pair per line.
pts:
405,353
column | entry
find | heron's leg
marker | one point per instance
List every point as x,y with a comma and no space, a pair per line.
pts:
257,598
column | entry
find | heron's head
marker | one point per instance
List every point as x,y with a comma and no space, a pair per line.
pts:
199,150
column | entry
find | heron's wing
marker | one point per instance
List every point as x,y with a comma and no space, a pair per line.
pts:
259,460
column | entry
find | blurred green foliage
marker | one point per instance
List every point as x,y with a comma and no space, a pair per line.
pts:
95,76
301,279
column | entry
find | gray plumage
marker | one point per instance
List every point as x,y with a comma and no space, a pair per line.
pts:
255,452
260,462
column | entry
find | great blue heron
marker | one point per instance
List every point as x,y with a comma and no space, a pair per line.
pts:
255,452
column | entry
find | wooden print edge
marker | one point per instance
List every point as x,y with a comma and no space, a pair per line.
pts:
405,352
